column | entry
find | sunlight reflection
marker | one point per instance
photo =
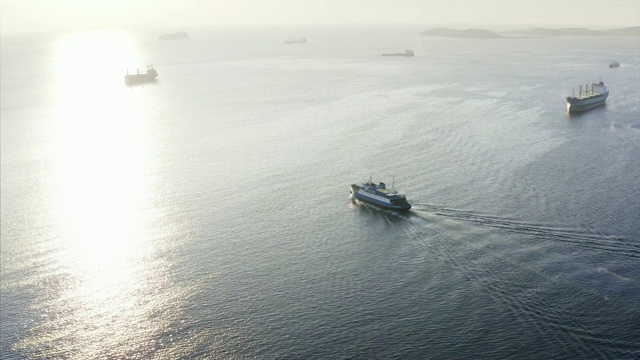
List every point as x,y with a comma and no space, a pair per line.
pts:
96,60
102,146
104,156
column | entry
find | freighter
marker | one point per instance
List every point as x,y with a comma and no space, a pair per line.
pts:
295,41
379,195
138,77
589,98
407,52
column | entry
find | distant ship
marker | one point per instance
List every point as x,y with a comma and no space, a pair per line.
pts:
295,41
138,77
405,53
614,64
380,196
180,35
588,99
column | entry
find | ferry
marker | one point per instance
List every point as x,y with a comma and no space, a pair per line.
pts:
588,99
139,77
379,195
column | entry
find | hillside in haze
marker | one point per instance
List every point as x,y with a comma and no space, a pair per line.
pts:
628,31
466,34
531,32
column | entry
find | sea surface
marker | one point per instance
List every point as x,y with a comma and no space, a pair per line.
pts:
207,214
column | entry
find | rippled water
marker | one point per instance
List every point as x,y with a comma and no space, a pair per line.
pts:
208,214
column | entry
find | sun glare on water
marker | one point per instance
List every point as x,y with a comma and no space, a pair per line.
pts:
102,147
102,170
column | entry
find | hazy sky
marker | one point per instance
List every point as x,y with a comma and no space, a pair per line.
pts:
54,15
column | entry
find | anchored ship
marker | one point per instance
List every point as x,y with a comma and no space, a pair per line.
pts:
295,41
408,52
139,77
379,195
589,98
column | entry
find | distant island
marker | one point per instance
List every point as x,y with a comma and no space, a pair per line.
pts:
532,32
180,35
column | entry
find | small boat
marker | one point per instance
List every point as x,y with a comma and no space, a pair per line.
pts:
379,195
150,75
407,52
614,64
295,41
589,98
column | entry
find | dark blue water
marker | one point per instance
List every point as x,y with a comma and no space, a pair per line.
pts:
207,215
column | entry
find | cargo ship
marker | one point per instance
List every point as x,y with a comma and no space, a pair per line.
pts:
589,98
408,52
150,75
295,41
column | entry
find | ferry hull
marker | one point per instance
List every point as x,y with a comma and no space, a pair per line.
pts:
362,196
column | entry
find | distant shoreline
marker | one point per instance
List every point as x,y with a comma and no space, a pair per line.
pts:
536,32
180,35
501,30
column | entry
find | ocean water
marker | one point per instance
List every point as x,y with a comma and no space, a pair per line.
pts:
207,214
